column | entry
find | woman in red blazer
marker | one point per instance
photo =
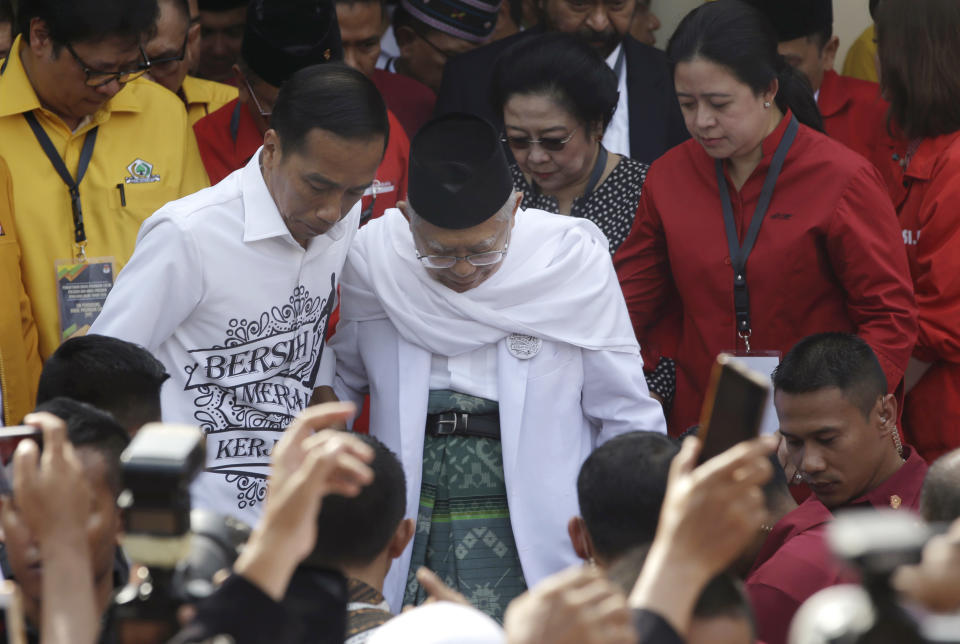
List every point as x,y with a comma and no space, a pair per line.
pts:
825,255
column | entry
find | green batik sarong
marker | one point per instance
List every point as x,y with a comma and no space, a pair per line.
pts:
463,522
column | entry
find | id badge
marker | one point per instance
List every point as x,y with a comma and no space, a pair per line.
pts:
82,288
763,362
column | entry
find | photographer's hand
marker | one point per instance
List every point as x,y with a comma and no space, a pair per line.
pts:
53,497
308,463
710,514
935,582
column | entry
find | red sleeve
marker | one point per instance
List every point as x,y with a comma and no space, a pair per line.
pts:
773,610
643,268
938,268
867,254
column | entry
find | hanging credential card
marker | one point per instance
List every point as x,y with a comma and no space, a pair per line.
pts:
82,288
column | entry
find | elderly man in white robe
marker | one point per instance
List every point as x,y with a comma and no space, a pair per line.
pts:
497,351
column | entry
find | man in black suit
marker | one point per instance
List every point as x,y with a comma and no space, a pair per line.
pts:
647,122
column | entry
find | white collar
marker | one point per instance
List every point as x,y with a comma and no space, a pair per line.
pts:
261,219
612,58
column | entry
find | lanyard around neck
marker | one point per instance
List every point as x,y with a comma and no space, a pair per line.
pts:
738,253
73,185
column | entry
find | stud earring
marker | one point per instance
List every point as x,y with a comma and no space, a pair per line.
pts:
766,105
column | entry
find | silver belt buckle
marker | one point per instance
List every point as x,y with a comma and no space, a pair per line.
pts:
442,423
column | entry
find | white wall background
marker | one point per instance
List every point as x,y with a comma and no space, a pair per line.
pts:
850,18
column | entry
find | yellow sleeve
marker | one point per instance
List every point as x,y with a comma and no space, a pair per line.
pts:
861,58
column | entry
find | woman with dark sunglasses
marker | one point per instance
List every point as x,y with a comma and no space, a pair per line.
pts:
557,97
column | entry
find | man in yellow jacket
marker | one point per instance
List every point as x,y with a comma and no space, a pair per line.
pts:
19,360
93,151
173,50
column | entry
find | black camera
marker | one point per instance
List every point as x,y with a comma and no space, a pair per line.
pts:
875,543
178,551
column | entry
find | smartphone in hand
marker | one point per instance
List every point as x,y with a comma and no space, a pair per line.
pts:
733,408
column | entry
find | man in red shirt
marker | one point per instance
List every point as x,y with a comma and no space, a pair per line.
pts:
279,40
839,426
361,26
852,109
790,560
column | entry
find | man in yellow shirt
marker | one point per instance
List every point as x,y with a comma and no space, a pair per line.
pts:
93,151
172,51
19,360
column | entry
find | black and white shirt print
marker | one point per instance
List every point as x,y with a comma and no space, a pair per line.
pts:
248,390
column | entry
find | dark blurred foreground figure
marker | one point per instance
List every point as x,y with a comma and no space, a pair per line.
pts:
710,266
920,77
221,32
646,122
274,236
360,536
709,515
839,426
173,52
279,40
620,489
97,441
115,376
853,111
361,26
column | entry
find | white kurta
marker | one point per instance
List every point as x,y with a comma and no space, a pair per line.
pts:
584,385
220,292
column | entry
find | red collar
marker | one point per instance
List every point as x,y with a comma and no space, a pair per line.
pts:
928,152
901,489
832,98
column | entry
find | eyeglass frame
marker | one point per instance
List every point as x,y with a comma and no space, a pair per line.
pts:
526,143
156,62
113,76
424,259
256,100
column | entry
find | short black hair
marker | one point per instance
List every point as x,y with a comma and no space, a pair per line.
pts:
822,36
331,97
620,489
562,66
71,21
940,497
6,11
724,596
92,428
114,375
827,360
354,531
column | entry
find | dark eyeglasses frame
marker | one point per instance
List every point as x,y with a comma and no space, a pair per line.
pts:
155,63
256,100
121,77
550,144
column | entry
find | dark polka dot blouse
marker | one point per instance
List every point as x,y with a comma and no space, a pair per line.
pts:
612,206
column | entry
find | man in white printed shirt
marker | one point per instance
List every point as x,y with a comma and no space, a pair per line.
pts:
232,288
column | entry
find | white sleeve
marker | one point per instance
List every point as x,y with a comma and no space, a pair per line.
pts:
615,395
158,288
351,379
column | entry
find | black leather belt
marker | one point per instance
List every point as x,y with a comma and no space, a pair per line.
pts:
455,423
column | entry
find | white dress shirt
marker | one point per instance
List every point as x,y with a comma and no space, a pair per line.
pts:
221,293
617,137
473,373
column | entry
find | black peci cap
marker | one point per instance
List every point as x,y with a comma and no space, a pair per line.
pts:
282,38
459,176
794,19
220,5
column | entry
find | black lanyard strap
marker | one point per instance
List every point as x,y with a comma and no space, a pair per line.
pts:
739,254
73,185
